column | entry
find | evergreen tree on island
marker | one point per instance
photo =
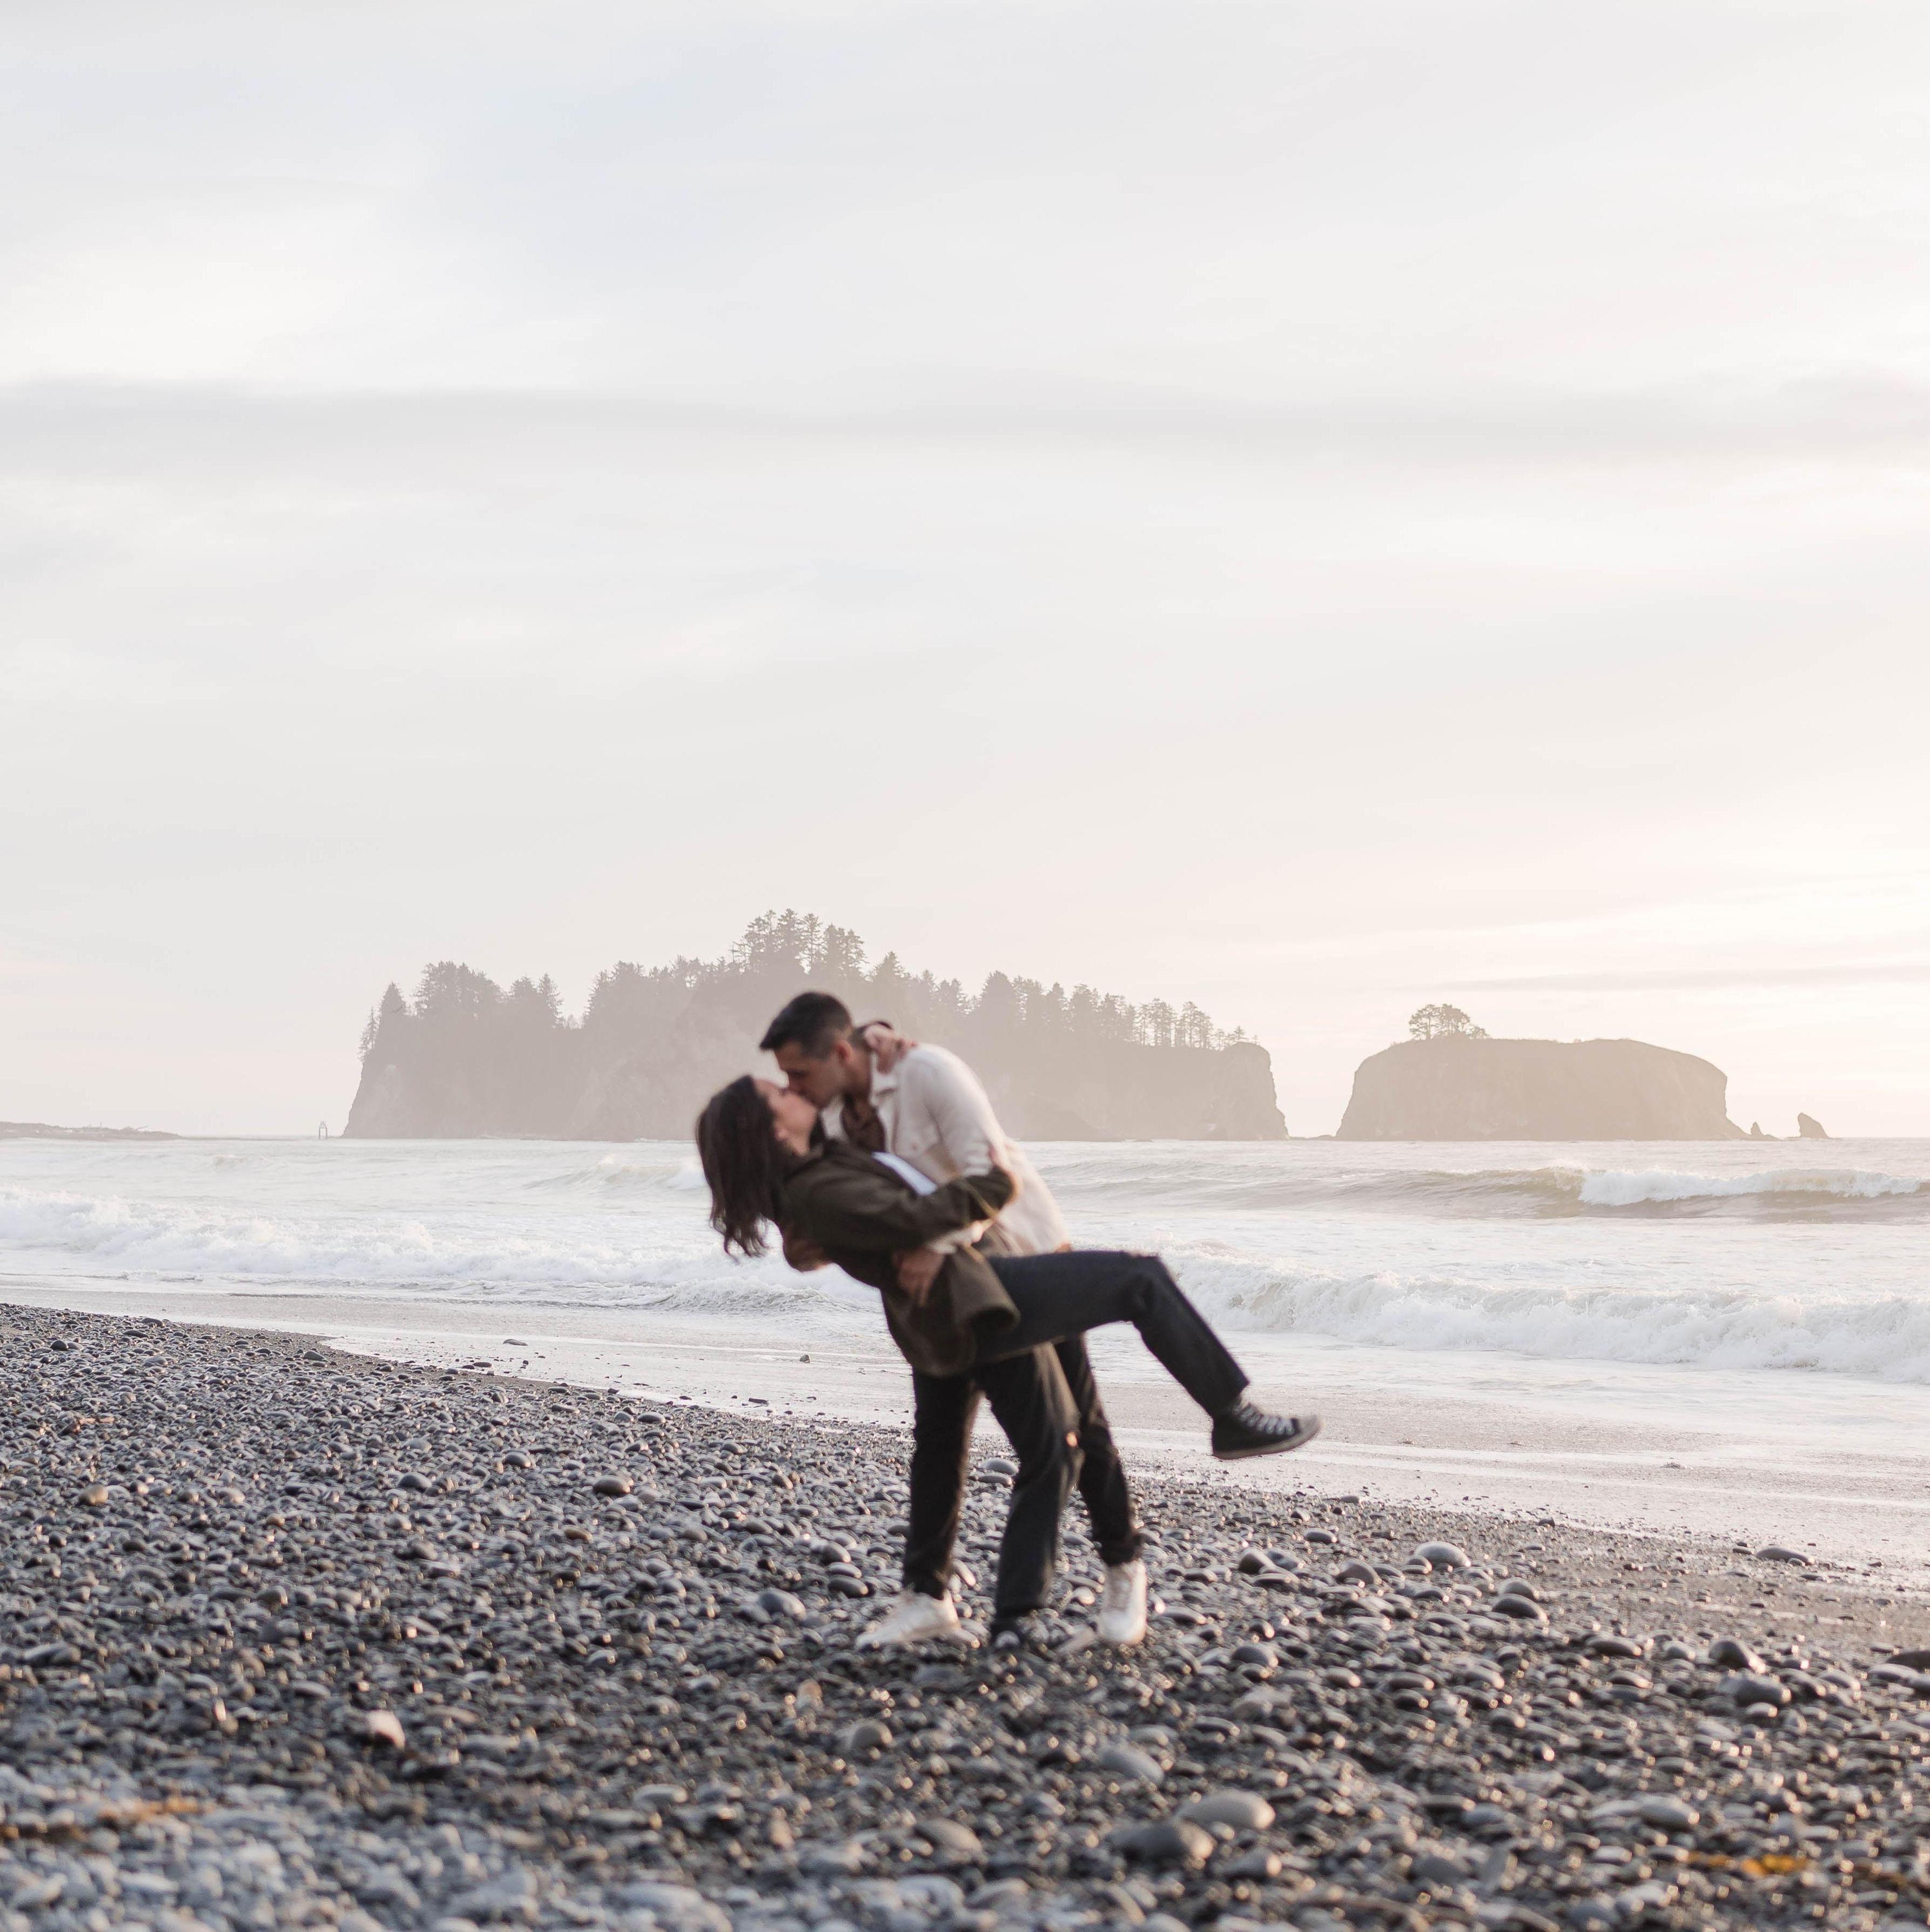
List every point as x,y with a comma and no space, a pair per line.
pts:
1442,1022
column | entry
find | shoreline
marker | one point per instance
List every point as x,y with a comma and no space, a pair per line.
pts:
615,1658
1420,1431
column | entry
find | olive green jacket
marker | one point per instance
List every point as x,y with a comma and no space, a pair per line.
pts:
862,1215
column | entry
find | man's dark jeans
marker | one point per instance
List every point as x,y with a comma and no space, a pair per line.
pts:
1048,1405
1061,1295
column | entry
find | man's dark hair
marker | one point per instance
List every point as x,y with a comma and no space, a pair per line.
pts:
815,1021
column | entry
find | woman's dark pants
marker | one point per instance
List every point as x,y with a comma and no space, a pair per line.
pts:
1070,1293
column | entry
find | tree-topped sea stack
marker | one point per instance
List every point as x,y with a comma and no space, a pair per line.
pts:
464,1058
1450,1082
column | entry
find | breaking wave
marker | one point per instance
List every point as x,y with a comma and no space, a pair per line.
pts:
663,1170
1656,1187
1880,1335
1664,1254
566,1263
1144,1179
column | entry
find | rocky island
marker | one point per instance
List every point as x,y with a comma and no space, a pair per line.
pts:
464,1058
1460,1085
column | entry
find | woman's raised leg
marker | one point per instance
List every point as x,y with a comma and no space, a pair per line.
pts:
1067,1294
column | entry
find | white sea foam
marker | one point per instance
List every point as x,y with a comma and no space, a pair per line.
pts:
1724,1256
667,1172
1885,1336
567,1262
1410,1181
1618,1190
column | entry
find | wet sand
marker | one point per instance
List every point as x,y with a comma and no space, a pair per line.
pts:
1709,1474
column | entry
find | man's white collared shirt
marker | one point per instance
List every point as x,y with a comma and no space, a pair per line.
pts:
936,1116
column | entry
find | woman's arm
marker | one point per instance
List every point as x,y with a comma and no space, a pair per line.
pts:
866,1210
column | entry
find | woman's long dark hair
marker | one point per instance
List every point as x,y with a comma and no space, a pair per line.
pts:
737,1142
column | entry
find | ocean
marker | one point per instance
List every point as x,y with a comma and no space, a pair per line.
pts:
1767,1304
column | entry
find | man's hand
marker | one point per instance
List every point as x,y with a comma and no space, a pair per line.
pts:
887,1046
918,1269
804,1254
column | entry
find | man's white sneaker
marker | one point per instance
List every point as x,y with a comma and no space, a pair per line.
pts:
1121,1617
914,1618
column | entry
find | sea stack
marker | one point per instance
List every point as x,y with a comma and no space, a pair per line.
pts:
1454,1087
1810,1130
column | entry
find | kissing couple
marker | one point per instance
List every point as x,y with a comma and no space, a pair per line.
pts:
884,1157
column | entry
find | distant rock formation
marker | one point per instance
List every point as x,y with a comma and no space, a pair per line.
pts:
39,1130
1453,1088
1808,1129
465,1059
1756,1132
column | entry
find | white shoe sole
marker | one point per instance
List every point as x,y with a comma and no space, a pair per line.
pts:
951,1633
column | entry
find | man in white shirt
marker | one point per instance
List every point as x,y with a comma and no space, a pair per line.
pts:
923,1107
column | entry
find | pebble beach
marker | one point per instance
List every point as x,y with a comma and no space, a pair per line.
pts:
292,1637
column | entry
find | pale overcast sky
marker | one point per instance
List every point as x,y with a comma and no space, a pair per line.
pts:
1311,508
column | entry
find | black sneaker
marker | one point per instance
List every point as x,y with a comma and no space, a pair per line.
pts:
1011,1636
1243,1431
